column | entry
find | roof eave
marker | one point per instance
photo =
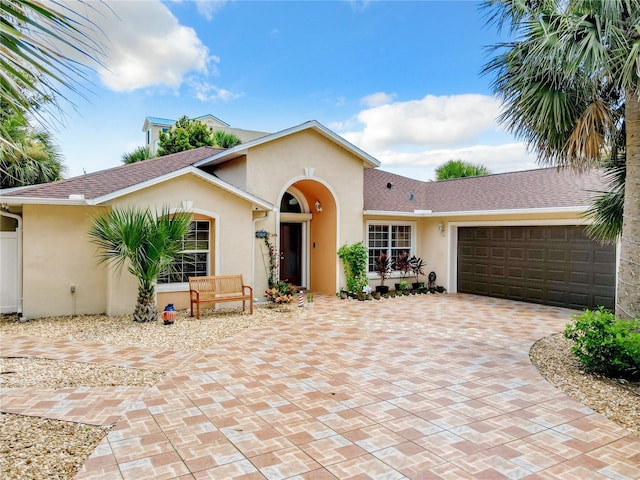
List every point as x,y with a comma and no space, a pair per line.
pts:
258,203
467,213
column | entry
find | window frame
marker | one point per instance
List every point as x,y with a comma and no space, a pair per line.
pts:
184,286
390,224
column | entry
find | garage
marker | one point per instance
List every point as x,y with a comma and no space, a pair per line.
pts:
552,265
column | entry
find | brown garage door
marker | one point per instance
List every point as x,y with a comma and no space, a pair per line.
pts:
555,265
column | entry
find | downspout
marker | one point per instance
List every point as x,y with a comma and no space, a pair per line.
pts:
18,218
253,252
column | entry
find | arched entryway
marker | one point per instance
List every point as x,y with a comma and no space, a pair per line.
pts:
307,236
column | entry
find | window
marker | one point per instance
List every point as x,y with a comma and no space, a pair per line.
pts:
193,259
390,238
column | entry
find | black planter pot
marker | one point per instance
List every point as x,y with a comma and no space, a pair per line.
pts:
417,285
382,289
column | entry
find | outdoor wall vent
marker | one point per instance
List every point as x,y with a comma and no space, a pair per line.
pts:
389,185
412,197
76,196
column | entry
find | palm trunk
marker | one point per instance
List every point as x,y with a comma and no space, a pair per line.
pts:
628,291
146,309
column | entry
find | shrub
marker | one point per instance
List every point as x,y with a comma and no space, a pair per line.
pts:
281,292
606,345
355,258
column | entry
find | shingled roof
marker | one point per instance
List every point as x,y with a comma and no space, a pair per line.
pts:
104,182
540,188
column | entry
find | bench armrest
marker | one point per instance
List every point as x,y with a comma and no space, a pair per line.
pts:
248,287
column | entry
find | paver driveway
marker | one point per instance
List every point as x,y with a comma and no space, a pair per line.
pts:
436,386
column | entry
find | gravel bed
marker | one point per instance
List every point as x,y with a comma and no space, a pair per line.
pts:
617,400
34,448
41,448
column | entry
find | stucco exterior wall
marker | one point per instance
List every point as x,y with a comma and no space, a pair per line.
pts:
308,156
57,254
231,235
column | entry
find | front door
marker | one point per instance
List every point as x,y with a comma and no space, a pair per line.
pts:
291,253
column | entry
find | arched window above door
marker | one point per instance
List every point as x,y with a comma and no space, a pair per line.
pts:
290,204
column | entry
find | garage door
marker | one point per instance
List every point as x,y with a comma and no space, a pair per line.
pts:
554,265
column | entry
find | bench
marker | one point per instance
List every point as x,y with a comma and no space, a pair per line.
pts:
219,288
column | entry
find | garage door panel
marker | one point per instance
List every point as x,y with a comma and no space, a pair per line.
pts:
581,278
604,257
604,280
556,255
535,254
555,265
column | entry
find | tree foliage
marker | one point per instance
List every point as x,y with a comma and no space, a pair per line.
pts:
185,134
225,140
137,155
460,169
46,47
570,85
146,242
29,156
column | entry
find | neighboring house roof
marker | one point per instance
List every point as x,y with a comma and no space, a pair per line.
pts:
313,125
545,188
104,182
168,122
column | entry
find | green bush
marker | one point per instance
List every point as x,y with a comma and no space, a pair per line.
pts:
606,345
355,258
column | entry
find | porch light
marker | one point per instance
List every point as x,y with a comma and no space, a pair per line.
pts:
441,228
318,206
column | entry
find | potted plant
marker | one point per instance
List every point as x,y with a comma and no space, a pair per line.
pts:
417,268
383,265
404,287
403,266
310,301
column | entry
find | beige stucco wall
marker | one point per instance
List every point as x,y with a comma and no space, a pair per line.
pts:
275,166
234,172
56,255
232,241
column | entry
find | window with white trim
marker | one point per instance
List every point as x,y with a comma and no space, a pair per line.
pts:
390,238
193,259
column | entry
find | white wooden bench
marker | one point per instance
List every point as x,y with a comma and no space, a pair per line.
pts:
219,288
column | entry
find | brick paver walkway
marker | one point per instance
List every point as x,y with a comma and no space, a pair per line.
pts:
425,387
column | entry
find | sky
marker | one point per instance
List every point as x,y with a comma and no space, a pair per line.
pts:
400,80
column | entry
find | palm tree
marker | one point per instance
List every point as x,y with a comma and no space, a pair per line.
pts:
139,154
147,242
31,158
460,169
45,46
570,85
225,140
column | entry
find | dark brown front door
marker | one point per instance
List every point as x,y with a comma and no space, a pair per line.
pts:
291,253
552,265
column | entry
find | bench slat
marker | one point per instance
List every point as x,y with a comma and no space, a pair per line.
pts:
219,288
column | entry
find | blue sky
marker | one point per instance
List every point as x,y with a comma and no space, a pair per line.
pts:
401,80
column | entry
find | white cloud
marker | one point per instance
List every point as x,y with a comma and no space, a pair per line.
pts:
147,46
432,121
497,158
206,92
377,99
208,8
